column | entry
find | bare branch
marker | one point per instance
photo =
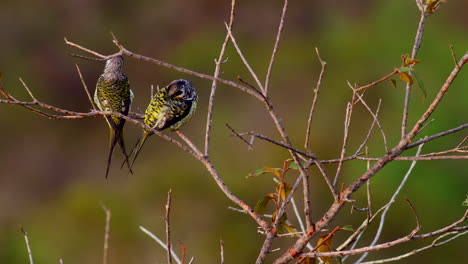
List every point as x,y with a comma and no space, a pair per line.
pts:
85,49
85,87
161,243
443,90
441,134
347,123
105,258
221,245
314,101
414,52
275,49
168,227
386,77
239,136
392,200
435,243
218,63
244,60
28,247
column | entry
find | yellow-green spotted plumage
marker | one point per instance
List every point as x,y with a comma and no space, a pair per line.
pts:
171,107
113,93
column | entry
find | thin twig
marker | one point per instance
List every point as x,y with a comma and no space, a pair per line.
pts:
221,245
244,60
85,87
161,243
386,77
218,63
105,258
85,49
29,91
239,136
369,132
392,200
415,251
275,49
28,247
441,134
414,52
347,123
314,101
438,98
168,230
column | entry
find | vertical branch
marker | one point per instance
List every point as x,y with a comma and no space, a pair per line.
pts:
314,101
105,258
221,245
414,52
275,49
26,239
218,63
168,230
349,111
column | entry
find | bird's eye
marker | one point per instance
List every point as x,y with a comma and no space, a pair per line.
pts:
178,94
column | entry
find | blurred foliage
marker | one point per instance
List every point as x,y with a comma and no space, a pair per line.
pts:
52,178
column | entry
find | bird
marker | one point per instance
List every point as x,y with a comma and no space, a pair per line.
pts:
170,107
113,93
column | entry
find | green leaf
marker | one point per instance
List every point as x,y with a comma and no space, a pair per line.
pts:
421,85
393,82
294,165
340,260
261,205
404,69
348,228
284,228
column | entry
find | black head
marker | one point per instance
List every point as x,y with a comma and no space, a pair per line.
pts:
181,89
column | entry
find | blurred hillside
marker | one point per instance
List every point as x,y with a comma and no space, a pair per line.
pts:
52,171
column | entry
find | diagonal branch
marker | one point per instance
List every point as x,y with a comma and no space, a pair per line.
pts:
275,49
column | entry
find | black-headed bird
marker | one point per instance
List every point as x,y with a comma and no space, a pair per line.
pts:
170,107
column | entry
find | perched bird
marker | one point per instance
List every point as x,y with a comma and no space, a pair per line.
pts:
113,93
171,107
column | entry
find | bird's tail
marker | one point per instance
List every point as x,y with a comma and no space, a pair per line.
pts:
124,151
117,138
112,143
139,144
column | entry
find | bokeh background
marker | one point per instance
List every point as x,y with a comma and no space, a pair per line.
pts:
52,171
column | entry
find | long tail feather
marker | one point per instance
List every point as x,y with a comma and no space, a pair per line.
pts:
139,144
112,143
124,151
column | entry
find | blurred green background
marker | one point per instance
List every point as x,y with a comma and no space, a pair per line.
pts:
52,171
